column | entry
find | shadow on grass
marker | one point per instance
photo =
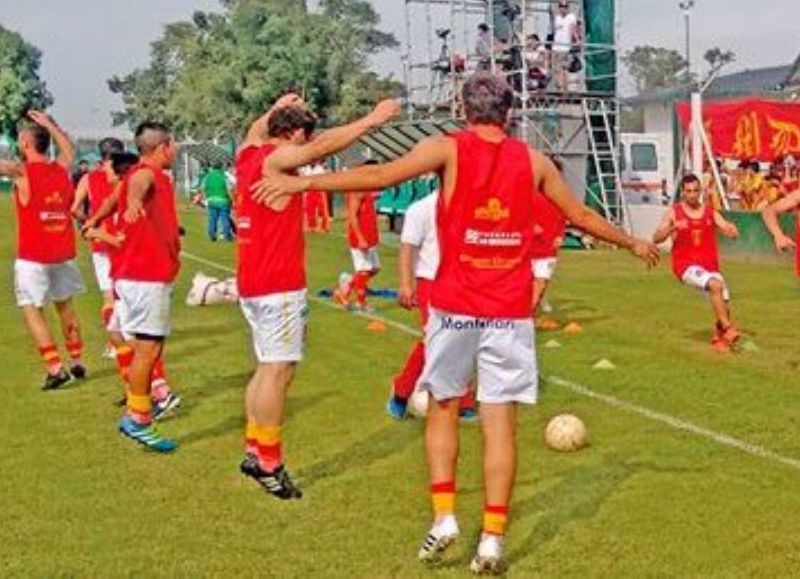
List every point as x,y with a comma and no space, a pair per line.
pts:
204,332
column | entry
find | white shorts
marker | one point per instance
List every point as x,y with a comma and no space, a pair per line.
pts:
544,268
365,259
699,278
102,271
278,324
114,324
500,351
142,308
35,284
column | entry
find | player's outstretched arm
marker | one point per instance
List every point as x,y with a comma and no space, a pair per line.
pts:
770,216
333,140
665,228
406,293
727,228
81,193
428,156
66,150
551,183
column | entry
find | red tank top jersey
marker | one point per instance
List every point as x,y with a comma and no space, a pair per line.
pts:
797,242
694,241
44,226
549,227
367,222
485,231
270,243
151,249
99,190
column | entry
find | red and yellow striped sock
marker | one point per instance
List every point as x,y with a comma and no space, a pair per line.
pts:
443,498
250,440
124,359
159,387
105,314
140,408
270,452
75,349
495,518
51,358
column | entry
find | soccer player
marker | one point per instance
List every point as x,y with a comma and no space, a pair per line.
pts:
315,204
45,267
481,297
791,202
271,273
418,262
548,234
96,186
144,270
693,226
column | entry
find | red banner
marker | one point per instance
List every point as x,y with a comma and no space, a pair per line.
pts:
753,129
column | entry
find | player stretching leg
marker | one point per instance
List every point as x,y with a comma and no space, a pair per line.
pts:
695,256
481,300
45,267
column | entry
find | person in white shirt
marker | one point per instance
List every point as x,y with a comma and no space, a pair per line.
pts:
418,263
565,35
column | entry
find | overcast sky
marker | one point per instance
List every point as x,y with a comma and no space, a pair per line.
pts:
87,41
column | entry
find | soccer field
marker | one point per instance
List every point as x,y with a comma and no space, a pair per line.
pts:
692,470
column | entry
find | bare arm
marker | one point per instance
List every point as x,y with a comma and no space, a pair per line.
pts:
770,217
107,207
665,228
406,293
139,186
81,193
66,150
10,169
727,228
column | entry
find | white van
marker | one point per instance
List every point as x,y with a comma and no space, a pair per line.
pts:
647,168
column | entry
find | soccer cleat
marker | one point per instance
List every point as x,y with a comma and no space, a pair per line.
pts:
78,371
277,483
163,408
439,538
364,309
489,558
56,381
731,335
339,298
720,345
145,435
397,408
468,415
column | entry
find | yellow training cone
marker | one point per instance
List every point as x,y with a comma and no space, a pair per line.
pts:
376,326
573,328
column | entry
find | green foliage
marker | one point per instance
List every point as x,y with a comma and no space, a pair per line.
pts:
654,68
717,58
20,86
210,76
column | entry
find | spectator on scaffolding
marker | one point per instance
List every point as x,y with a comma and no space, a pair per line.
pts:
536,57
484,47
565,35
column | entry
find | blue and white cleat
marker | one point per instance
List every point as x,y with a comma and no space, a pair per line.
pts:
145,435
397,408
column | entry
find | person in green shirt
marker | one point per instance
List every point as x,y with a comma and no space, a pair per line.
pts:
218,203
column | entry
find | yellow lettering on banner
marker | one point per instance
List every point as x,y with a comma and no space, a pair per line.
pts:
785,139
748,138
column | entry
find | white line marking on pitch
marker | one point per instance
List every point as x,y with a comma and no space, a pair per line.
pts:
671,421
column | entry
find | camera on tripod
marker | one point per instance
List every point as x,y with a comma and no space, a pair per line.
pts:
443,33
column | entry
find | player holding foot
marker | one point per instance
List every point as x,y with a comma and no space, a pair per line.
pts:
271,274
481,297
695,256
45,268
144,271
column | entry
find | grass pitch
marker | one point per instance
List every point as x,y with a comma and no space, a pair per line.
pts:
645,499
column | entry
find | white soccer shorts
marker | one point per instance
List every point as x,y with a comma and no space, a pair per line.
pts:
500,351
35,284
544,268
365,259
278,325
102,271
699,278
143,308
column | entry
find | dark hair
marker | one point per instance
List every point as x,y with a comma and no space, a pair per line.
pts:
284,122
487,99
122,161
40,136
109,145
83,162
688,179
483,27
755,166
149,135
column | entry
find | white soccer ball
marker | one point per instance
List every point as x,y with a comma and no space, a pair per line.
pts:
566,433
418,403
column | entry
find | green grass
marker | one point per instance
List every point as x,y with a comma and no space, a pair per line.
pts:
643,500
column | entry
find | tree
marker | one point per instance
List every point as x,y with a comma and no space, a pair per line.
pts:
20,86
716,59
654,68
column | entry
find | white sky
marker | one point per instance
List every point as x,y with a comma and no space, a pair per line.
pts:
85,42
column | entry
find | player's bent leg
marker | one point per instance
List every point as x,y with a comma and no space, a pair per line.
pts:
57,376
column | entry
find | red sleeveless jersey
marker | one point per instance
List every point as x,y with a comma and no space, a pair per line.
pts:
367,222
549,227
99,190
44,226
694,241
151,248
485,231
270,243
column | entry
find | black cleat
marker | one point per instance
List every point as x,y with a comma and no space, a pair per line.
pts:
78,371
277,482
56,381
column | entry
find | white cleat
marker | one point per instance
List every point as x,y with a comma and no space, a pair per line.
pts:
439,538
489,558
